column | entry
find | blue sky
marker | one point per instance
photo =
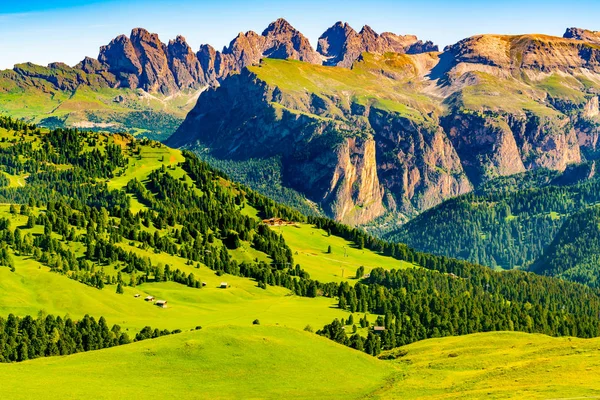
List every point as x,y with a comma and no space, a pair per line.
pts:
43,31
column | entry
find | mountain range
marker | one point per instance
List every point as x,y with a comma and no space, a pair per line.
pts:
143,86
398,132
213,246
367,125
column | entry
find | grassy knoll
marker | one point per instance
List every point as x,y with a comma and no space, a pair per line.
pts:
498,365
32,287
310,245
215,363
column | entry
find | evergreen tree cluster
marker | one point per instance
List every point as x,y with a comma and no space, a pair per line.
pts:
27,338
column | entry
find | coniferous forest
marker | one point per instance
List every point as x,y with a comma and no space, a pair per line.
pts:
198,218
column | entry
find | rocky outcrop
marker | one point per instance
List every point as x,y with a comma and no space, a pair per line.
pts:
183,63
280,40
582,34
499,145
341,45
355,195
503,55
417,163
143,61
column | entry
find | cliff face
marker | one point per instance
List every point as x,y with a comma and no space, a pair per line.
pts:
399,132
356,160
143,61
582,34
417,163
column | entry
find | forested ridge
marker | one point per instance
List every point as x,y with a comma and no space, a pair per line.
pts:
508,222
574,254
81,225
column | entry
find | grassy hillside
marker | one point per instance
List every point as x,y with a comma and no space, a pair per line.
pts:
33,288
497,365
218,363
310,246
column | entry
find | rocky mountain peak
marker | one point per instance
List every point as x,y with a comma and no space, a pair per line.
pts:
184,64
142,34
367,31
143,61
278,27
332,41
341,45
179,47
279,40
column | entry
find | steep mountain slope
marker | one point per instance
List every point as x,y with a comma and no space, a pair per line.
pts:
349,139
399,133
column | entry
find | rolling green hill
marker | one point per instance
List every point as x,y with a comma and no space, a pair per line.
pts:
272,362
218,363
500,365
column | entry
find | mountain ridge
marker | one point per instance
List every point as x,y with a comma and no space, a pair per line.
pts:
442,123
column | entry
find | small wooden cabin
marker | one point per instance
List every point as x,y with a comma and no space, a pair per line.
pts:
149,298
224,285
161,303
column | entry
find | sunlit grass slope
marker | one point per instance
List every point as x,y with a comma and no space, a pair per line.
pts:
310,246
253,362
32,288
498,365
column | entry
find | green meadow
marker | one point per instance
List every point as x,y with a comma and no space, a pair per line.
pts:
252,362
33,288
310,246
267,362
497,365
